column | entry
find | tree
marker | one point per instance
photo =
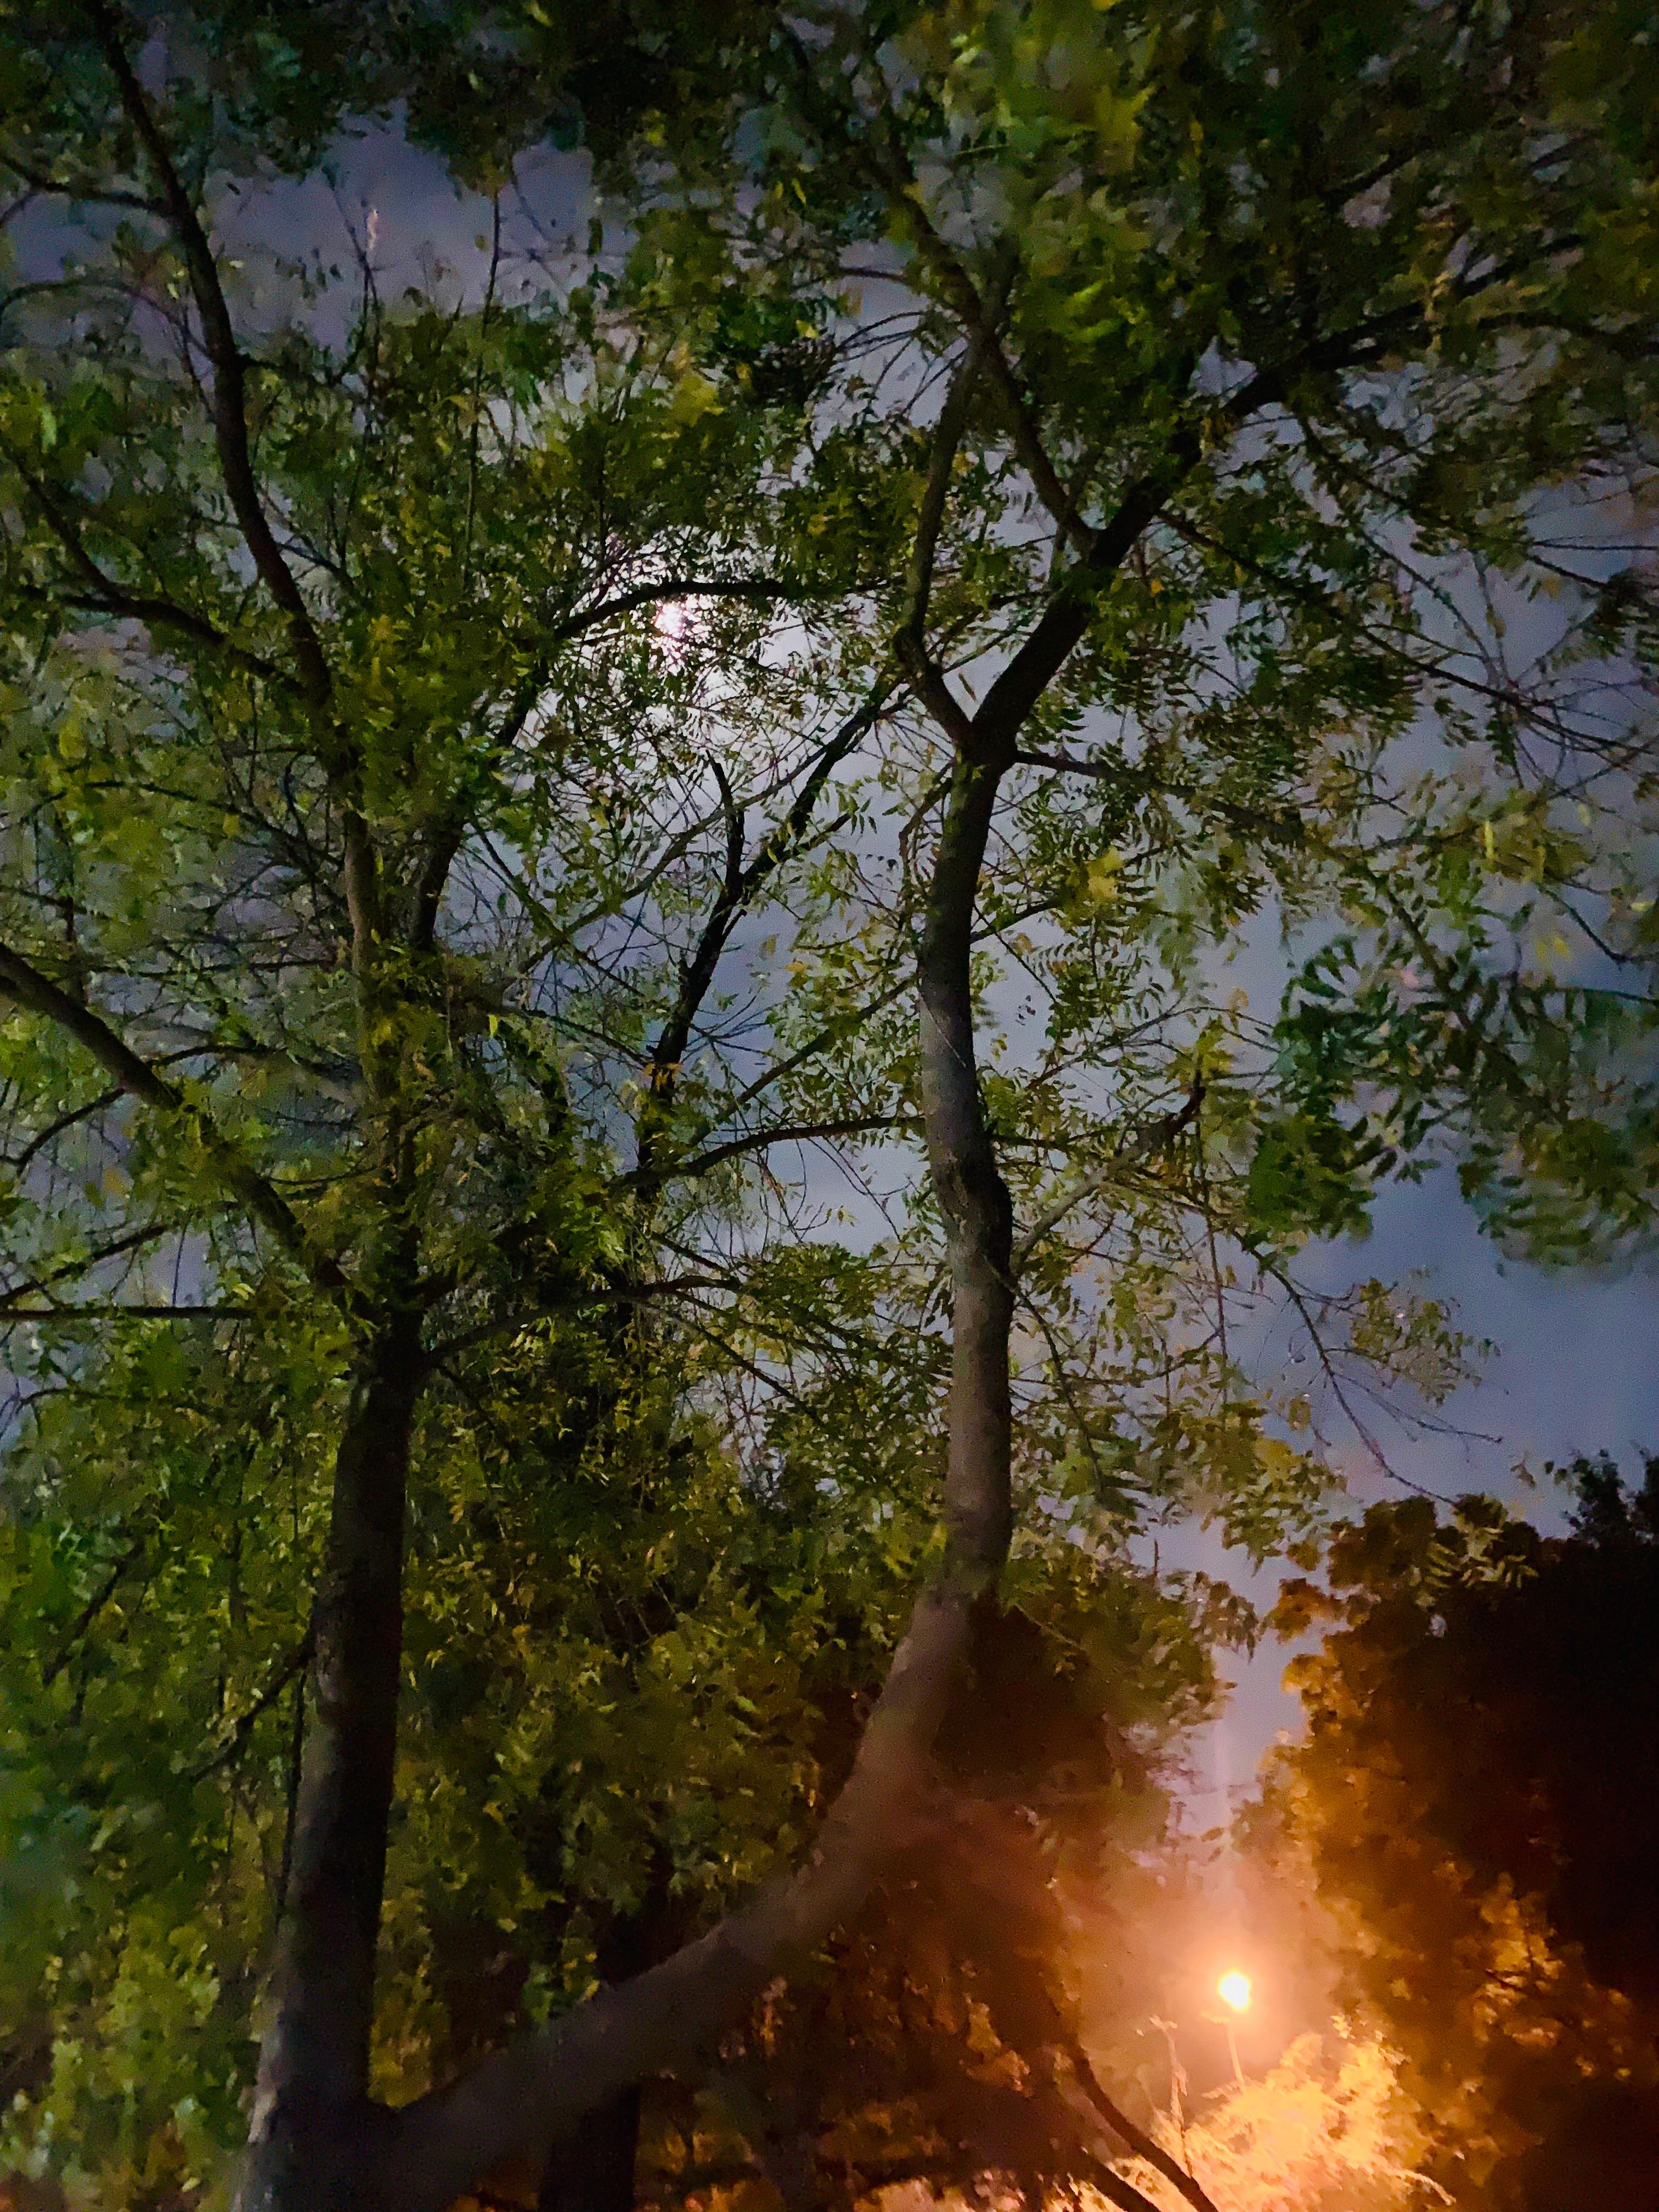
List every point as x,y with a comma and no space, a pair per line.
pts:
941,2039
1475,1803
1327,2130
410,729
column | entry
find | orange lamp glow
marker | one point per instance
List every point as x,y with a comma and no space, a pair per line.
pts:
1234,1989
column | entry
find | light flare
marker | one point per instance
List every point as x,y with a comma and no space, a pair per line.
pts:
1234,1989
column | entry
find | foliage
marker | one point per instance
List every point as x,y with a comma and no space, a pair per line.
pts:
1473,1802
1326,2129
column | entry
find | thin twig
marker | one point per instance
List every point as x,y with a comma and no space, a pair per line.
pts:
21,980
1144,1142
90,1612
295,1662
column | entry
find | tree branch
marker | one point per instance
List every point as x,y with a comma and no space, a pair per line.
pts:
787,1133
737,891
1133,2138
1117,2190
9,1313
79,188
18,1162
228,395
228,406
294,1662
21,982
762,589
90,1611
422,2157
1140,1145
116,1250
980,318
105,596
596,1294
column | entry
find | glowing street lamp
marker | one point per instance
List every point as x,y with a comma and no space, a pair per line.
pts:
1234,1991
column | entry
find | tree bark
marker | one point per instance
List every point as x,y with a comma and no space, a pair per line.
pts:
591,2168
973,1197
312,2110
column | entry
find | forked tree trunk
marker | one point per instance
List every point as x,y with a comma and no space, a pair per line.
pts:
318,2145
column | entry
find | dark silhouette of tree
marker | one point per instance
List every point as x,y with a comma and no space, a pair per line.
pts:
1478,1800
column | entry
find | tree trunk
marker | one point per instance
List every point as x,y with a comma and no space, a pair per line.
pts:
591,2168
972,1195
311,2104
317,2143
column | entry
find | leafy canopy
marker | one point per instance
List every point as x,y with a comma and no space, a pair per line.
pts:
1473,1802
